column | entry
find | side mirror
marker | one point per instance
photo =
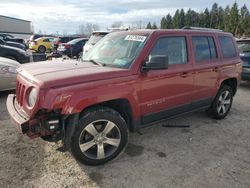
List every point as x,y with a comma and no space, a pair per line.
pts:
2,42
156,62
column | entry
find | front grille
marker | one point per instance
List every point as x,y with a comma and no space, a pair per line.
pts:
20,90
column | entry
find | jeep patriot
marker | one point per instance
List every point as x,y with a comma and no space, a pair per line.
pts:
129,80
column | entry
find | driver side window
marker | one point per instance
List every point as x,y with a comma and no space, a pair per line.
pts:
174,48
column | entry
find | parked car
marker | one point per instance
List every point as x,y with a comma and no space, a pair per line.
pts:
13,44
42,44
11,38
14,53
36,36
129,80
8,74
94,38
60,40
72,48
244,47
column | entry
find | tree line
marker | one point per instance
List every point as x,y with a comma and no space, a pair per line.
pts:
231,19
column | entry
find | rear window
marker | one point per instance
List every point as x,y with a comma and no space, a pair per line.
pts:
244,46
204,48
227,46
75,41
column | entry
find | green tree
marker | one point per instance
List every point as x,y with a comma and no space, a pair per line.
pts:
214,15
234,19
154,26
221,18
188,18
206,19
244,28
149,26
226,18
169,22
164,23
182,19
176,19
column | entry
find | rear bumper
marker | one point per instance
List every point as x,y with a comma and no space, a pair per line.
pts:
19,119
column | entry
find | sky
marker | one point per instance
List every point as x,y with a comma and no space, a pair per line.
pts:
65,16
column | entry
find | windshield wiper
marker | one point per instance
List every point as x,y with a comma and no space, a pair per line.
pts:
94,62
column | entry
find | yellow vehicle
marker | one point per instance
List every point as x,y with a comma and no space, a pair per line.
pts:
42,44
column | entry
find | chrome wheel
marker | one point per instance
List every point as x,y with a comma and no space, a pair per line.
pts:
99,139
224,102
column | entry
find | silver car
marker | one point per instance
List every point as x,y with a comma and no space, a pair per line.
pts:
8,73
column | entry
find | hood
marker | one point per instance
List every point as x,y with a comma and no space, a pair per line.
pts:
67,72
8,62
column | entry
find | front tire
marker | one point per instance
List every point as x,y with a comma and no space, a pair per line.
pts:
222,102
99,137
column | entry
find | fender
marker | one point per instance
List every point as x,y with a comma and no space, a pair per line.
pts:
74,99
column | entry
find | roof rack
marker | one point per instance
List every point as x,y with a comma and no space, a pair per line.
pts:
202,29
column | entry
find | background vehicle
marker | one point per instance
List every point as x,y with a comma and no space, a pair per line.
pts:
244,47
14,53
8,37
94,38
129,80
8,73
13,44
72,48
42,44
36,36
59,40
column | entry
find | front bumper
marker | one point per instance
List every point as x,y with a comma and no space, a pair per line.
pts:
19,118
47,124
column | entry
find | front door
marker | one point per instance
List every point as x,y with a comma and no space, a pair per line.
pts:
167,92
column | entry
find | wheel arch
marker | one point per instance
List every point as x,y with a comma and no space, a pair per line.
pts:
232,82
122,106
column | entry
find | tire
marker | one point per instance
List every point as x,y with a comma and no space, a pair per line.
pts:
42,49
222,102
106,135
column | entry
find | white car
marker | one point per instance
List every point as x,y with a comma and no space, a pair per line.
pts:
8,73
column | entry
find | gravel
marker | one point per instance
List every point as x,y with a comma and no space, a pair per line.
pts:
209,153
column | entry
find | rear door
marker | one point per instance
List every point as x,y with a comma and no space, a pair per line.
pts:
206,70
167,92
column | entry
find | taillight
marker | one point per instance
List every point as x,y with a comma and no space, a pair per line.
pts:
67,46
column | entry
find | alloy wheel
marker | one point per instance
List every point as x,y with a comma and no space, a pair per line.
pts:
99,139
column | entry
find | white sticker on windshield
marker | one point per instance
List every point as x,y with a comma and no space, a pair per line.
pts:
138,38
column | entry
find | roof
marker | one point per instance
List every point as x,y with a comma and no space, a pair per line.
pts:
14,18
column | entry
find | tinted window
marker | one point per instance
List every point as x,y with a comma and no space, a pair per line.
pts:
227,46
204,48
244,46
173,47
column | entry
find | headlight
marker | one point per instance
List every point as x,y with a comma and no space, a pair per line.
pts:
32,97
8,70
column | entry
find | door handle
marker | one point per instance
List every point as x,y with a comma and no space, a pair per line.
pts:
216,69
184,74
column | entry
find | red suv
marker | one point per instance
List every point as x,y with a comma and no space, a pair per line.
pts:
129,80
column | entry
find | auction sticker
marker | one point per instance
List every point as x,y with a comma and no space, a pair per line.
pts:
138,38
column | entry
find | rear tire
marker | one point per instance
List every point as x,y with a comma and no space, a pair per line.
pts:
101,135
222,103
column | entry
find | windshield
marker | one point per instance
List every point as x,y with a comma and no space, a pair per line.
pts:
244,46
116,50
